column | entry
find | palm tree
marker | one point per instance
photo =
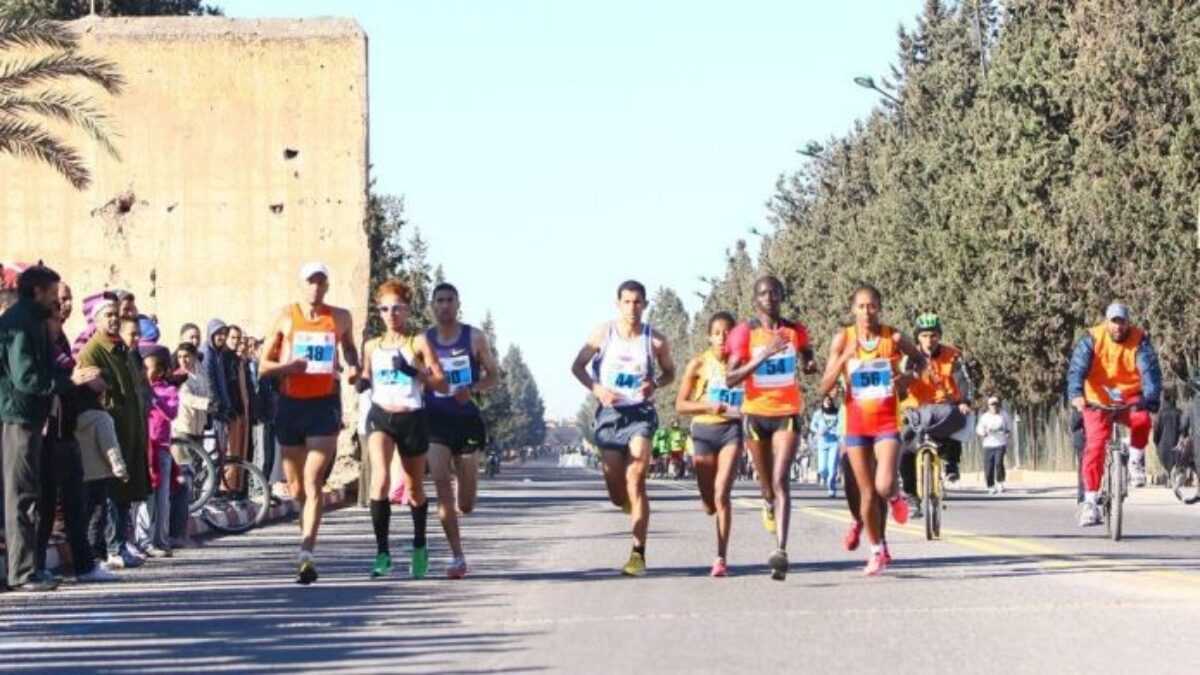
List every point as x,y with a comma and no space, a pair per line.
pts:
27,99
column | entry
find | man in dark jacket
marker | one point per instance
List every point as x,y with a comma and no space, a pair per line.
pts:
1167,431
28,384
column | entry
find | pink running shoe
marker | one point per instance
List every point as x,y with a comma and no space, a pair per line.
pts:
899,509
876,565
850,541
399,494
887,554
457,569
719,569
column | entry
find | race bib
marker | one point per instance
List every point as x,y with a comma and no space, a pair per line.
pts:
393,377
626,383
778,371
730,397
871,380
458,373
316,348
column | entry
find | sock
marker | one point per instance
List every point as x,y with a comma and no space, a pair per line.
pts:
1090,497
420,515
381,519
876,549
640,550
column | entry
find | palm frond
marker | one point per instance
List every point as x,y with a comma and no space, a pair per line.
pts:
24,139
36,33
18,74
76,110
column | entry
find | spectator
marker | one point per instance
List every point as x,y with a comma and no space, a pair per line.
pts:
194,402
218,386
28,383
153,516
994,428
116,296
110,353
239,397
191,333
1078,441
1167,431
62,463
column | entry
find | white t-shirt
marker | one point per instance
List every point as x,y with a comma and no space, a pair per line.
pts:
994,428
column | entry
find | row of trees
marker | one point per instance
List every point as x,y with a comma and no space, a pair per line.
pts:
514,411
1029,163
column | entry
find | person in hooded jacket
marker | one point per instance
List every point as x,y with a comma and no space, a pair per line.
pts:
213,371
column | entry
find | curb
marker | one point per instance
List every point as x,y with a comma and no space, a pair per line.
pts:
58,553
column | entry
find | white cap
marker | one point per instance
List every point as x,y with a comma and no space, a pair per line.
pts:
993,400
1117,311
311,268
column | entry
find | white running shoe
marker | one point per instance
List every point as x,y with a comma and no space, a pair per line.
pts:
1089,515
999,488
99,574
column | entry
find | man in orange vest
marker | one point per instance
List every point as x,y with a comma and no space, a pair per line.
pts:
941,395
1114,364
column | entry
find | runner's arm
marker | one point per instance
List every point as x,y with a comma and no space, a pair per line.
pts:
666,364
434,377
349,349
684,405
364,378
487,358
736,372
838,356
579,368
273,360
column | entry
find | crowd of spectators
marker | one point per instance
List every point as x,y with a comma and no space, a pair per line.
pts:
90,426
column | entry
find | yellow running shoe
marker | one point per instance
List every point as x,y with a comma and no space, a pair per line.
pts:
636,567
768,517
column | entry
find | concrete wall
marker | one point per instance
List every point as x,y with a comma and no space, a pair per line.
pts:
243,153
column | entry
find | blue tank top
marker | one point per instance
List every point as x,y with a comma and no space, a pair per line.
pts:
462,371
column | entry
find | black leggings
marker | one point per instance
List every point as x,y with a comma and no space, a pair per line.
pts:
62,478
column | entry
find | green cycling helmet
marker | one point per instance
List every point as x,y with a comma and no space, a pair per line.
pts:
928,322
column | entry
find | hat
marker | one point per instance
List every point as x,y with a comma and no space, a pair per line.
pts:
97,307
148,329
1117,311
993,400
311,268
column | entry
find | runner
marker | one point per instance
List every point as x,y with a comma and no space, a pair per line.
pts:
866,357
456,430
303,352
763,353
617,366
716,430
400,368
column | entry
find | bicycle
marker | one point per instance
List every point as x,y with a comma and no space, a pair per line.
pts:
930,491
213,481
1185,481
1114,485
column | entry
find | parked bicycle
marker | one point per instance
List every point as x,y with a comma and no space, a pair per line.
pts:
220,481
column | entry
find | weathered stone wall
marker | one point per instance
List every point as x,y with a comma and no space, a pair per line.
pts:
243,154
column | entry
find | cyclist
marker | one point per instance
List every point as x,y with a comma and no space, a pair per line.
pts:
940,398
716,430
1113,364
866,357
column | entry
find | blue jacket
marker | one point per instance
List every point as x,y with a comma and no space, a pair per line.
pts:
213,369
1147,365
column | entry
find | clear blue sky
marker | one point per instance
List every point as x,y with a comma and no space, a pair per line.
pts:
550,149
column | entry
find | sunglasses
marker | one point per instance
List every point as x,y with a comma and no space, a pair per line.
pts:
392,309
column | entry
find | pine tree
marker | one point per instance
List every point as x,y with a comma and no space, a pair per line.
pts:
669,317
496,407
527,421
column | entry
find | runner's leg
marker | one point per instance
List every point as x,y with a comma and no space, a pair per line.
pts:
783,445
381,449
706,476
319,456
862,468
726,467
760,452
442,471
615,466
635,485
466,468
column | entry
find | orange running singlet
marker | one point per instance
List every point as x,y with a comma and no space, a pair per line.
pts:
772,389
870,379
316,341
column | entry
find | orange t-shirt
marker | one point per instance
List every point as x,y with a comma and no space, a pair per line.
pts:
870,379
936,383
1114,367
772,389
316,341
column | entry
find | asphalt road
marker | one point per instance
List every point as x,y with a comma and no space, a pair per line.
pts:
1014,587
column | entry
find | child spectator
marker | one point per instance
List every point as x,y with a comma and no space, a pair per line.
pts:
153,518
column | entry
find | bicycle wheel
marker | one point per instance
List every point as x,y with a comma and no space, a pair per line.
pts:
1117,482
925,490
204,474
240,515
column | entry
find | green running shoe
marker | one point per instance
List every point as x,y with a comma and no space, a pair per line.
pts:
383,566
420,562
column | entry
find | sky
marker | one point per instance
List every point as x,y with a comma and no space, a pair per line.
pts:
550,149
